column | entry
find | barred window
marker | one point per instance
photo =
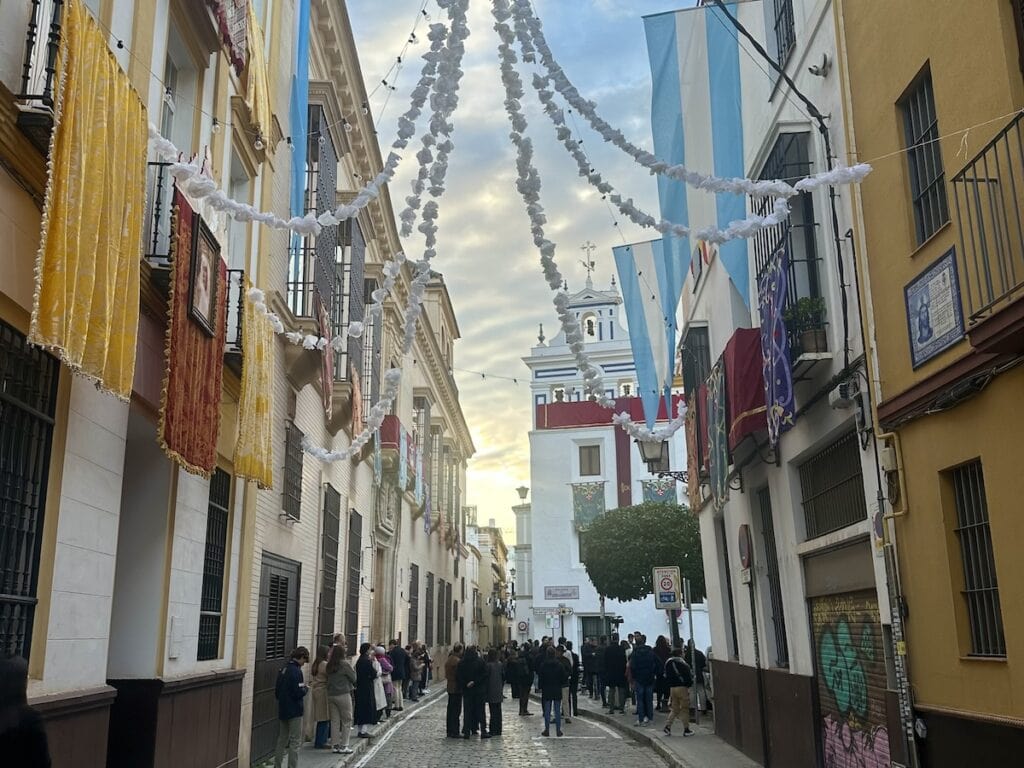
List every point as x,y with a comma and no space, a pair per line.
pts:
696,358
429,634
784,30
832,487
927,176
441,615
211,606
448,614
771,558
329,542
414,602
980,588
28,397
354,565
277,617
292,495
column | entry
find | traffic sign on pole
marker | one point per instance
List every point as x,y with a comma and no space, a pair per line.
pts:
667,588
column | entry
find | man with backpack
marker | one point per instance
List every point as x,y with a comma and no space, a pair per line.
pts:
289,691
679,678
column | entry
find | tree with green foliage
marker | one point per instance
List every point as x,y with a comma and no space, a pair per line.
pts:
623,546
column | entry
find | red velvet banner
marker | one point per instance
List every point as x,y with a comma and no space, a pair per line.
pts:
190,402
744,385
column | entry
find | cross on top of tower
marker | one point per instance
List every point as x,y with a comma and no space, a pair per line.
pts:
588,247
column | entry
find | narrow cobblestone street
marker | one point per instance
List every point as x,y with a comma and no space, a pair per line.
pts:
420,741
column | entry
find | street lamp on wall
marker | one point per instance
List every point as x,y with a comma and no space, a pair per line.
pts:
655,455
522,490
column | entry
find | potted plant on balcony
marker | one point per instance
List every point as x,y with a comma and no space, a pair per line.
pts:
805,320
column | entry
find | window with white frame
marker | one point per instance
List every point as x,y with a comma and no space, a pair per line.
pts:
590,460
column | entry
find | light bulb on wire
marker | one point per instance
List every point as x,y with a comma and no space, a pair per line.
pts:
215,128
259,144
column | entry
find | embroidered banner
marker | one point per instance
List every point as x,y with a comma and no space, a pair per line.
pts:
693,453
775,362
660,489
587,502
623,470
718,440
419,479
403,458
233,20
190,402
257,81
254,450
426,507
85,307
326,356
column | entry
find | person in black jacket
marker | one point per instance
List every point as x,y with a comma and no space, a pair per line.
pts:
520,675
615,675
645,668
574,680
679,678
472,677
587,657
289,691
602,686
402,668
22,734
552,677
366,700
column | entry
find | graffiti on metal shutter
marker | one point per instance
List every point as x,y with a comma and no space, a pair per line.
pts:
851,680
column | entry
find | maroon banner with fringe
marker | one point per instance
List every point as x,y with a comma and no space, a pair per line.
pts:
190,401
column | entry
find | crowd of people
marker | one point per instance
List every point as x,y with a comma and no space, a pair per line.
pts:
356,692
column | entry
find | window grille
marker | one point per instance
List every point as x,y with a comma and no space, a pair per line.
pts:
372,340
696,354
441,615
291,500
924,157
218,517
771,558
723,539
329,572
28,395
980,589
277,617
429,638
832,487
785,31
355,556
414,602
590,460
448,614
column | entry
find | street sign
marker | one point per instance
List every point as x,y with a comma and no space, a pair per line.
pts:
667,588
562,593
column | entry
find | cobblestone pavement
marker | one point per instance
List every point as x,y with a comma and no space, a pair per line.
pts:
420,742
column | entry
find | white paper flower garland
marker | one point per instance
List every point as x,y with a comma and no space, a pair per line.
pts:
529,184
530,32
444,101
743,228
197,184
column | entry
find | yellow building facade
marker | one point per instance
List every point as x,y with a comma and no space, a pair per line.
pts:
932,92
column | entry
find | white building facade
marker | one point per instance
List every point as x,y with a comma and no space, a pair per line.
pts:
573,442
791,553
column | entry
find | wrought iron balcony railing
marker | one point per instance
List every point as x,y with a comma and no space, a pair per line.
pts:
159,193
236,311
41,43
988,194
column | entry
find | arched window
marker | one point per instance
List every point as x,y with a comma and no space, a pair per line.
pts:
589,325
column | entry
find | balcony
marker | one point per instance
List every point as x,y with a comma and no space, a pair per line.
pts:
235,296
39,71
987,193
390,436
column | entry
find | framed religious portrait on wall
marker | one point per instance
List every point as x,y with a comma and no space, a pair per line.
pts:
935,317
203,276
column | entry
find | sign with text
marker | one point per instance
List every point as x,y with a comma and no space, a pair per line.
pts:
935,318
561,593
667,588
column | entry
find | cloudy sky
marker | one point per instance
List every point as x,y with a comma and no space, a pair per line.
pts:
485,249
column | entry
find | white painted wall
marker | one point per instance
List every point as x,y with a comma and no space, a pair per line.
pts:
87,530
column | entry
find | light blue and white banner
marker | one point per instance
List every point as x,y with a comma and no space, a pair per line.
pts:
650,300
698,89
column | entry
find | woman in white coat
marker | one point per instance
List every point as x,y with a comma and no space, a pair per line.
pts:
380,698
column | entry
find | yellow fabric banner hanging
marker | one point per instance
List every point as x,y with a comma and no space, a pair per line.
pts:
86,304
257,82
254,450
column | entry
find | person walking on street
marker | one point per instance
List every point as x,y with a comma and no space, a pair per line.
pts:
519,671
366,699
644,666
699,663
416,671
290,690
679,678
566,660
472,676
615,675
399,673
318,697
495,690
599,652
587,659
553,677
341,683
574,679
454,690
663,651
